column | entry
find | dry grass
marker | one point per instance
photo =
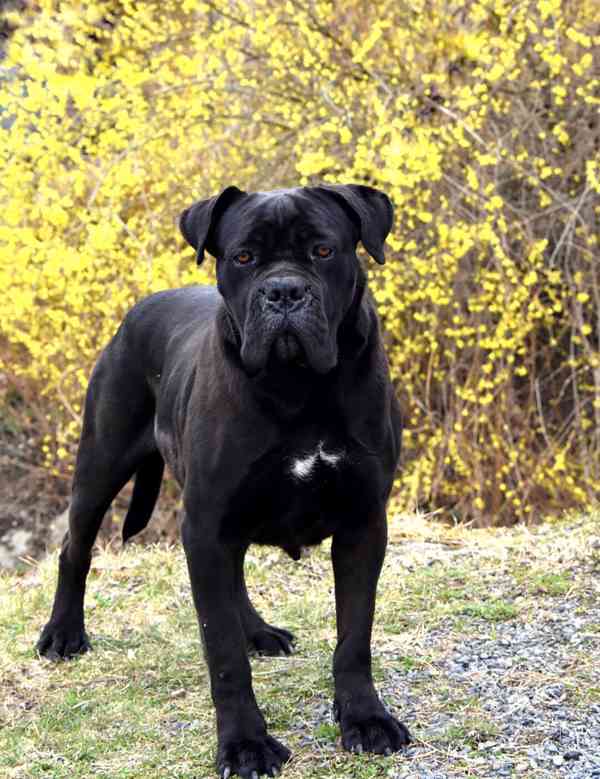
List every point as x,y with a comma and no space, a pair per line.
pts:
139,705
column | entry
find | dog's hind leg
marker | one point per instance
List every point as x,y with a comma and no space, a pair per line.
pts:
148,479
116,439
261,637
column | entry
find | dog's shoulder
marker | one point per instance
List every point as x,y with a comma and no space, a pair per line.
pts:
177,306
170,322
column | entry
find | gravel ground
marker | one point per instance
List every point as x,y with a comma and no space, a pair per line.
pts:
513,672
532,682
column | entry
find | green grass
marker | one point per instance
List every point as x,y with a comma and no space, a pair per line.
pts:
493,610
139,704
471,732
551,583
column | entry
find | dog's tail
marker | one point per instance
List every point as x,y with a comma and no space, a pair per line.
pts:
146,487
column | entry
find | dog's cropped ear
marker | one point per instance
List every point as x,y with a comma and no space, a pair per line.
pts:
372,210
197,223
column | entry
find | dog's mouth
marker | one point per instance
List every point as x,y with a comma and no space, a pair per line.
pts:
284,349
288,349
282,344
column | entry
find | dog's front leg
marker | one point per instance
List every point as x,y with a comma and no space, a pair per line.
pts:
244,746
357,559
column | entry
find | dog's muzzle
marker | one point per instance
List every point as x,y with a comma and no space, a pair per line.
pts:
286,322
285,297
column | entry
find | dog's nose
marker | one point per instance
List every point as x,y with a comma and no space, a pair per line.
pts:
285,292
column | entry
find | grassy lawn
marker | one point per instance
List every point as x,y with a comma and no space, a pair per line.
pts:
460,613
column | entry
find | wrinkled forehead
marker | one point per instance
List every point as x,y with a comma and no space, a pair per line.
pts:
285,216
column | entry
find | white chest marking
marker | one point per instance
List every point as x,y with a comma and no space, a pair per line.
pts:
303,467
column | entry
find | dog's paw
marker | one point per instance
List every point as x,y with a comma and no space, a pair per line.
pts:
61,642
380,733
269,640
251,758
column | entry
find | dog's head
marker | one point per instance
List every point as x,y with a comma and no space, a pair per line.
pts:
287,266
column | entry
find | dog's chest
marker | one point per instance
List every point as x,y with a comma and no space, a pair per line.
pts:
299,494
307,465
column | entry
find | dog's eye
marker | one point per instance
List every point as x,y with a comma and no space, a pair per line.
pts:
323,251
243,257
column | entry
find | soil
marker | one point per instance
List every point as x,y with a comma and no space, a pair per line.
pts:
30,502
34,506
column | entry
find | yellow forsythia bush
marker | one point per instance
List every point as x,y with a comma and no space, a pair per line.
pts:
480,119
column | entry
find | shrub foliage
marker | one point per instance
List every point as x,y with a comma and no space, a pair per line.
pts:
479,118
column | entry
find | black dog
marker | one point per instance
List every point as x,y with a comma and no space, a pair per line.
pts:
271,402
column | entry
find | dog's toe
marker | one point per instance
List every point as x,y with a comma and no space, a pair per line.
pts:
380,733
252,758
271,641
61,642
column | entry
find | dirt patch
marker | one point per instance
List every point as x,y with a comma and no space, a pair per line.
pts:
34,506
30,502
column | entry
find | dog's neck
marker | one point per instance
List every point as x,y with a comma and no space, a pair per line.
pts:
353,332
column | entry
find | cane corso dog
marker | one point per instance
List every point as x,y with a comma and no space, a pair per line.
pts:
270,400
